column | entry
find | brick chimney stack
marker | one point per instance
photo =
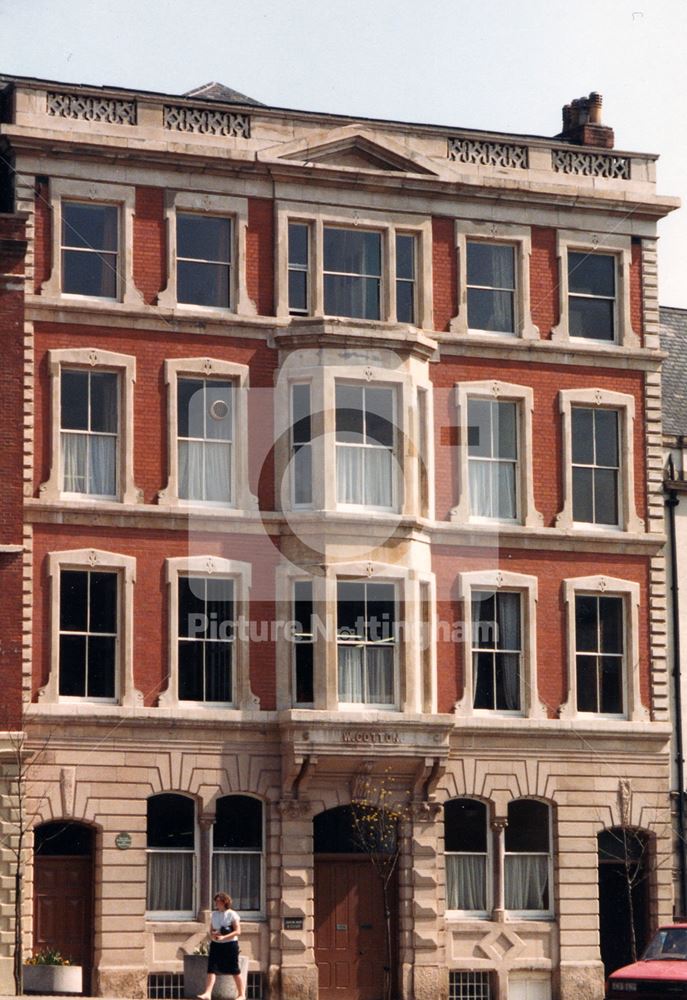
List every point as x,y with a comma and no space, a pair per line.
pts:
582,123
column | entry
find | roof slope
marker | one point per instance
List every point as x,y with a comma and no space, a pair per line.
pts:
218,92
674,341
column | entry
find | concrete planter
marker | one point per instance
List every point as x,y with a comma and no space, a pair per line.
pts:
47,979
195,971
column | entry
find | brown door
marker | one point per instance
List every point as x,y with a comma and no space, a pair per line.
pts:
63,909
349,929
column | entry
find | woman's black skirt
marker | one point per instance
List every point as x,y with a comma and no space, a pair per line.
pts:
223,958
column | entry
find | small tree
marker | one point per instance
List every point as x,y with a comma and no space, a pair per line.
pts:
376,817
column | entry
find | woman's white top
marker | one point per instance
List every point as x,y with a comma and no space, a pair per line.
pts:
223,918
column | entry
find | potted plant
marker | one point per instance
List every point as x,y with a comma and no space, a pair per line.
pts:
195,970
48,971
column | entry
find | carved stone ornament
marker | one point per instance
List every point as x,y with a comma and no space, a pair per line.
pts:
294,808
625,800
426,812
92,109
569,161
489,154
206,121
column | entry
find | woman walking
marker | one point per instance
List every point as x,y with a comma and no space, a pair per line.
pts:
223,958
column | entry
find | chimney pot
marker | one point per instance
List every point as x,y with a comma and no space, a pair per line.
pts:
582,123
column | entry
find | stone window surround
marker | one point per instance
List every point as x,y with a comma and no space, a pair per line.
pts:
224,206
489,861
388,224
98,561
523,396
322,378
496,865
629,591
180,915
498,581
121,195
209,566
96,359
408,666
209,368
619,247
624,403
507,234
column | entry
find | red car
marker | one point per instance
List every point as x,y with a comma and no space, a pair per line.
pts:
661,972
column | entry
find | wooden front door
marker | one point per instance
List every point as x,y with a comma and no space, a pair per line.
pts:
63,909
349,929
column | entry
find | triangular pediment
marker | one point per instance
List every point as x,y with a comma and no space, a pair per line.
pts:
357,149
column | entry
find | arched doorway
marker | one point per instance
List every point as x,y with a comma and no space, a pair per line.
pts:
350,919
63,893
624,868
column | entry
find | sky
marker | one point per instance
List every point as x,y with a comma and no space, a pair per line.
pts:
507,65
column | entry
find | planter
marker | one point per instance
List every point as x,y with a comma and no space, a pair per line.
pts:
196,970
46,979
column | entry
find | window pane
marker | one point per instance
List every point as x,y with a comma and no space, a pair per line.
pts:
218,412
298,291
303,607
508,621
528,826
507,672
490,264
190,418
103,602
74,400
304,653
92,227
405,302
611,684
101,667
504,430
490,310
73,666
300,401
484,631
171,821
352,251
379,415
479,428
104,402
405,256
591,318
351,609
583,496
220,605
587,696
191,671
192,609
505,490
218,679
483,667
240,872
381,612
349,413
591,274
298,244
302,474
203,284
611,624
466,883
606,496
350,296
170,882
217,473
73,601
87,273
526,882
238,823
204,238
582,435
378,477
586,623
465,826
606,437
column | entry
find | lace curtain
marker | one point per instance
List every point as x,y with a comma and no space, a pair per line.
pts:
492,488
466,882
239,875
363,475
170,881
89,463
527,882
366,674
205,471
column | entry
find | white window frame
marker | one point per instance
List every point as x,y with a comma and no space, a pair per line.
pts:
362,706
94,359
489,864
624,403
527,586
221,206
245,914
519,237
388,225
394,450
620,247
210,566
177,915
294,580
533,914
209,368
292,444
507,392
121,196
526,984
85,560
629,591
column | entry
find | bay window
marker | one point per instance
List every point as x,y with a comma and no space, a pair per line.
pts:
303,643
301,445
365,445
171,846
352,268
237,851
366,643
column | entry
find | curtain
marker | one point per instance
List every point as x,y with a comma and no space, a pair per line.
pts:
170,881
351,677
204,471
74,456
380,677
363,475
102,460
349,474
504,489
378,477
218,472
502,263
466,882
527,877
239,875
480,488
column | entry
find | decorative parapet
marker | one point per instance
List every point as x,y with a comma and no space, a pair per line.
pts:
92,109
206,121
489,154
572,161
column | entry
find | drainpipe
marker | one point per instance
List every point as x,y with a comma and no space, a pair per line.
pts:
671,503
